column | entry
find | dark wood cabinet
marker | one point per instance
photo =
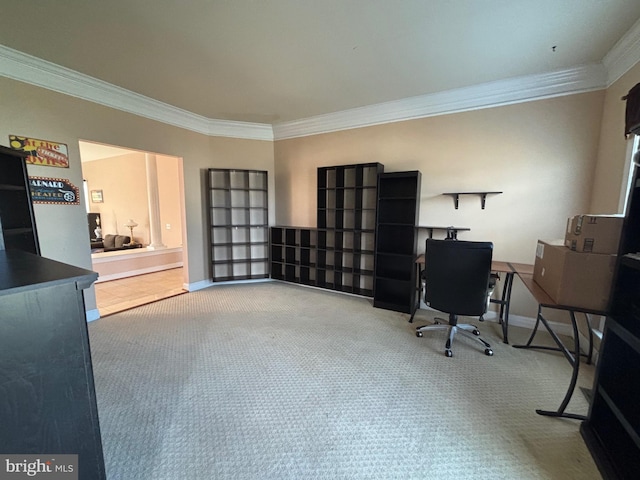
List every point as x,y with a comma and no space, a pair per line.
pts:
396,237
612,428
17,222
47,396
238,224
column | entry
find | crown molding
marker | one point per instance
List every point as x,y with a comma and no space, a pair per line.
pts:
502,92
624,54
26,68
35,71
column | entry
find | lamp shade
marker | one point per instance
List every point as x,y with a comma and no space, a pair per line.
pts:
131,224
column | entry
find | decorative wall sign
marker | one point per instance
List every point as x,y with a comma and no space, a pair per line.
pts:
53,190
41,152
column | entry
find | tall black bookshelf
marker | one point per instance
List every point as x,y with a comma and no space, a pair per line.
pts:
17,221
347,196
396,239
238,224
612,428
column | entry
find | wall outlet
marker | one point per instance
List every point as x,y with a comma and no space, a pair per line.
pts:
168,226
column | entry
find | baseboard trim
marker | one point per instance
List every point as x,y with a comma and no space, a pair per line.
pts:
141,271
193,287
92,315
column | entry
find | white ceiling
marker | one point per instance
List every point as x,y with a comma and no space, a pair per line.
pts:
275,61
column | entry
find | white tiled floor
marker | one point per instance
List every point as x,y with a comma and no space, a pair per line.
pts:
118,295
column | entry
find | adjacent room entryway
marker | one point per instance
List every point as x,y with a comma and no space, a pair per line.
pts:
119,295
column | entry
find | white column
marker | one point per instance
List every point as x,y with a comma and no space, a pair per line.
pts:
153,199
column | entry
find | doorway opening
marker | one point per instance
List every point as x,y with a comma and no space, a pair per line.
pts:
135,225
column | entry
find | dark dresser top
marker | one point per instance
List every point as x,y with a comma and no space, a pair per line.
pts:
22,271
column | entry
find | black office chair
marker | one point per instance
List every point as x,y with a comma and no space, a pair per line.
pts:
457,277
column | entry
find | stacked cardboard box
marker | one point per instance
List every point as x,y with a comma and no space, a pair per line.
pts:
594,233
578,270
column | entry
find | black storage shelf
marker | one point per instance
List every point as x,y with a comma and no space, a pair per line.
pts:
396,237
238,224
17,221
341,249
612,428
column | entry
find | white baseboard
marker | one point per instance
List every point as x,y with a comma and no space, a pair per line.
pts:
92,315
141,271
192,287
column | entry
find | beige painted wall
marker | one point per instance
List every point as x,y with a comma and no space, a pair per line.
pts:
123,182
612,151
32,111
541,154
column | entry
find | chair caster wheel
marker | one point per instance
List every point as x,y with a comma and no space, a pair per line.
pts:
419,334
449,353
476,332
488,352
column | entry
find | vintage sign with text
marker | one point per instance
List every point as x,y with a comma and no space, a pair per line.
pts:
53,190
41,152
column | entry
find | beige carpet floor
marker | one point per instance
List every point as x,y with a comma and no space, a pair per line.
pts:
277,381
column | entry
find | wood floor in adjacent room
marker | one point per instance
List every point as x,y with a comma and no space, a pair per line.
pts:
119,295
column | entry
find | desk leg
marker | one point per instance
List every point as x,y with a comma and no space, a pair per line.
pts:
590,354
533,332
574,360
418,292
504,306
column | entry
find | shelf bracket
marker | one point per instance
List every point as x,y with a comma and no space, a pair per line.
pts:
483,197
483,200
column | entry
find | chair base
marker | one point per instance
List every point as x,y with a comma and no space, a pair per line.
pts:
468,330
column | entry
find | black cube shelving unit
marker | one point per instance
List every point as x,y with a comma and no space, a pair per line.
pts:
347,202
238,224
339,253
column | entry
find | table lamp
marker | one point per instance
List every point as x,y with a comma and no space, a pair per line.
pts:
131,224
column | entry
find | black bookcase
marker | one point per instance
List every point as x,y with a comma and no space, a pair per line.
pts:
612,429
17,222
396,237
347,197
238,224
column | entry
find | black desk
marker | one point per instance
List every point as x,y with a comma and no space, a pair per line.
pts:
544,301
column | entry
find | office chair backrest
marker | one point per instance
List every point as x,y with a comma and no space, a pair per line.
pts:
457,276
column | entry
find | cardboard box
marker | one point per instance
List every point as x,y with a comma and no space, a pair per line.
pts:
573,278
594,233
